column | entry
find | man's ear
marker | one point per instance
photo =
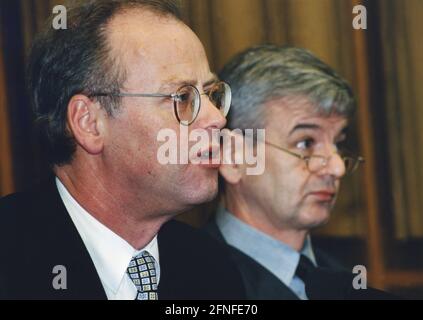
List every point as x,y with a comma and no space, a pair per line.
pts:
232,173
86,121
232,169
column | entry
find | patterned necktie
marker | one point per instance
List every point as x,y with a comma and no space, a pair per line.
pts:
142,272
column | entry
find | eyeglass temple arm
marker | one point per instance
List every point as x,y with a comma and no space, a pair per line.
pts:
147,95
299,156
122,94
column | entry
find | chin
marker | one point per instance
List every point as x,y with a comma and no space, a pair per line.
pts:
315,218
205,193
188,198
201,190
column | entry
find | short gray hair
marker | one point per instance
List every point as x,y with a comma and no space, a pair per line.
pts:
268,72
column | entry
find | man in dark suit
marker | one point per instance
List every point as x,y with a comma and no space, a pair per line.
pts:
268,213
103,89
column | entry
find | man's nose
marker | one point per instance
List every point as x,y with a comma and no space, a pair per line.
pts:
335,164
209,116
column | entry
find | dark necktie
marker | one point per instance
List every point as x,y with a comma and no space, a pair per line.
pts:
328,284
323,283
305,268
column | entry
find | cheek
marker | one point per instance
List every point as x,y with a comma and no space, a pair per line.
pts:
287,172
132,142
291,183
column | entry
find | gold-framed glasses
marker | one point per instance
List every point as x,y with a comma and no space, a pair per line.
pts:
315,163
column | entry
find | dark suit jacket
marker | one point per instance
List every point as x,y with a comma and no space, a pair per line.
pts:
331,281
37,234
260,283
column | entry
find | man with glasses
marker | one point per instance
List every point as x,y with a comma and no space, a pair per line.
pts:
100,228
304,106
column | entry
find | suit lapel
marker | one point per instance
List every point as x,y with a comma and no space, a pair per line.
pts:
259,282
53,240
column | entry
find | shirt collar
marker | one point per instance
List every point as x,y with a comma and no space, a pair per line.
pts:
274,255
110,253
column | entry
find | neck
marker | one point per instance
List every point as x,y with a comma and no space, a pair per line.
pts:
262,221
112,204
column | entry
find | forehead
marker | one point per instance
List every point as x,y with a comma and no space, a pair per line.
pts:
154,49
296,114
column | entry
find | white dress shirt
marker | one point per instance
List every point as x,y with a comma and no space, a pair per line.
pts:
110,253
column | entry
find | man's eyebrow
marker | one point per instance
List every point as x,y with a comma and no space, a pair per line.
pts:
179,83
304,126
212,80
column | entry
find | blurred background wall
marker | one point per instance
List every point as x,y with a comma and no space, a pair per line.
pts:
378,220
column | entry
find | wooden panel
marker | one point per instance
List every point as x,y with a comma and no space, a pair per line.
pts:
201,23
411,89
375,250
276,22
403,278
403,49
313,25
237,24
6,174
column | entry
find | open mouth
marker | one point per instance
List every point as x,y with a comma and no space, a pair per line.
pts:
210,157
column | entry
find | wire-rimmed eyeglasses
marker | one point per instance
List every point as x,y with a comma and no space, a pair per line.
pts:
187,100
315,163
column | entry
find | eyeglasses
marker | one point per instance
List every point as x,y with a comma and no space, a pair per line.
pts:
315,163
187,100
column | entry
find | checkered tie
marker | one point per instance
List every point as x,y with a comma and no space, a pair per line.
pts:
142,272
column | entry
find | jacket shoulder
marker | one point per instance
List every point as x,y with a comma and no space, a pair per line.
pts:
14,201
185,250
13,208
